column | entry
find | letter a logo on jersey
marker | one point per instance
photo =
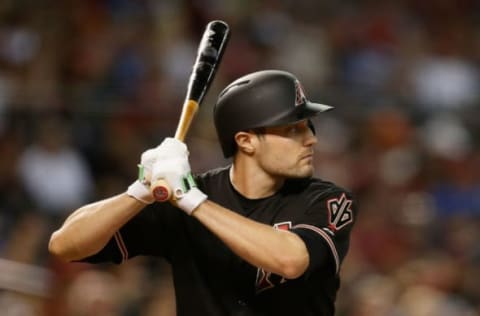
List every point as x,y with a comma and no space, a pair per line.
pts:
339,212
267,280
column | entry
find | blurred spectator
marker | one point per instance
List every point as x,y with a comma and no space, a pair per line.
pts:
93,292
427,301
444,83
445,136
13,304
374,295
54,173
19,43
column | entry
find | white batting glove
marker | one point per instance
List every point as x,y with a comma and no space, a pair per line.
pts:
172,165
141,192
140,189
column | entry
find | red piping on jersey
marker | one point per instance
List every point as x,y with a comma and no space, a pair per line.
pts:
327,239
121,246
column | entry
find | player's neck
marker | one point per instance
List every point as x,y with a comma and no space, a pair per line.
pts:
253,182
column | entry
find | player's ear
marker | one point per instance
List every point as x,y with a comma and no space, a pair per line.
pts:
245,142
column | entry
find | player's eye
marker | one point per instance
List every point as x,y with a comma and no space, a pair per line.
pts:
296,129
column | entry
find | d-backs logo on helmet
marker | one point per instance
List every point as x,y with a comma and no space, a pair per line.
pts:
299,94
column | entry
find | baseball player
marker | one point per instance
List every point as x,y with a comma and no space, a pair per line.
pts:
258,237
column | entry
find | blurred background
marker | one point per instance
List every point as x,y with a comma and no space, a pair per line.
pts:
86,86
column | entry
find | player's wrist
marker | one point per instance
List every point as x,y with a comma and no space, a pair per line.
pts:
191,200
140,192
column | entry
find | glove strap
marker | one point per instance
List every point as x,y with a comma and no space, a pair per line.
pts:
141,192
191,200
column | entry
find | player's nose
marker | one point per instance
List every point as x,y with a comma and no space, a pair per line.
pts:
310,138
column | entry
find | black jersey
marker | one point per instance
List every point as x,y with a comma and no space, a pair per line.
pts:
211,280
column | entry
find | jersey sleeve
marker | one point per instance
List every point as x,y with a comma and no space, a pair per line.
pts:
325,228
145,234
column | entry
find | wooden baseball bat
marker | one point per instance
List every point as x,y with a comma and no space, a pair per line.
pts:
209,55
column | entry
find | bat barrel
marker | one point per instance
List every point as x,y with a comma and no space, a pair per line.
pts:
210,52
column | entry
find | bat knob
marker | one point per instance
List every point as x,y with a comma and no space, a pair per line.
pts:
161,192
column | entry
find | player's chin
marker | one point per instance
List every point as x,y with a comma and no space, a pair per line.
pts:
309,172
305,171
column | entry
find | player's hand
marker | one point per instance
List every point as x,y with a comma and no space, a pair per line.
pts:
140,189
172,166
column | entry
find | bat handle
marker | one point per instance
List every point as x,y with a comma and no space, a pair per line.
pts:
189,110
160,189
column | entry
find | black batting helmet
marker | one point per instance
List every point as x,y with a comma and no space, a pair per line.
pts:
260,99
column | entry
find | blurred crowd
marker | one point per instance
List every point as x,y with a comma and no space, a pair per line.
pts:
87,85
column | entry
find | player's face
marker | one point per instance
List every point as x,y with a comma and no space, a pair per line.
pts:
287,151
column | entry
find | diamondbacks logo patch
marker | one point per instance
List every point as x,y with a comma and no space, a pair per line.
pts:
340,212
